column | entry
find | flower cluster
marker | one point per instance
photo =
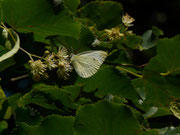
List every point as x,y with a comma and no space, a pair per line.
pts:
114,33
127,20
118,32
50,61
63,63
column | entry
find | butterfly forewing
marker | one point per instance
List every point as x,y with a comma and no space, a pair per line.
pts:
99,55
87,63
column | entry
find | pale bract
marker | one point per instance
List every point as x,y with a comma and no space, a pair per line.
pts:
16,46
87,63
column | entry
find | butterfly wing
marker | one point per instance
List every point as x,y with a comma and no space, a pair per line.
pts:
87,63
99,55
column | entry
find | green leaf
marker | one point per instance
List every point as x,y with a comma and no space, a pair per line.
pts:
150,132
2,95
83,101
38,99
118,57
7,63
48,97
39,17
153,86
158,90
51,125
162,111
74,45
151,112
73,90
3,125
167,60
71,4
105,14
28,115
156,31
105,118
9,106
109,81
131,41
150,38
13,100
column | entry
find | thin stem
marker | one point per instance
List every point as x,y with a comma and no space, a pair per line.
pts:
122,64
125,64
128,71
165,74
34,55
30,55
27,53
169,72
19,77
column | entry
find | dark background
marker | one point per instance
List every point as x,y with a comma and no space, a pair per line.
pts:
165,14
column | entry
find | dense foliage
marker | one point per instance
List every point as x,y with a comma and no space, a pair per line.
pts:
135,91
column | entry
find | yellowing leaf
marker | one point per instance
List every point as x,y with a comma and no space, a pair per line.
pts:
175,108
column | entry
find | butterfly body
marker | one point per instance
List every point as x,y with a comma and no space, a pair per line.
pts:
87,63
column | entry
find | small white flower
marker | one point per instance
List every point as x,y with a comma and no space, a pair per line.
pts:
63,63
37,67
62,53
127,20
64,68
50,61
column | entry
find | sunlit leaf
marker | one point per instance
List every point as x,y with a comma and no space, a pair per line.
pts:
38,17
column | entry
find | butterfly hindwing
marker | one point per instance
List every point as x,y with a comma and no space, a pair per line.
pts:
87,63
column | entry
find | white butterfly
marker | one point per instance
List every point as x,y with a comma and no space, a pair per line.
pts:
87,63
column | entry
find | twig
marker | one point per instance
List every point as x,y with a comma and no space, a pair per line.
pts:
128,71
19,77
